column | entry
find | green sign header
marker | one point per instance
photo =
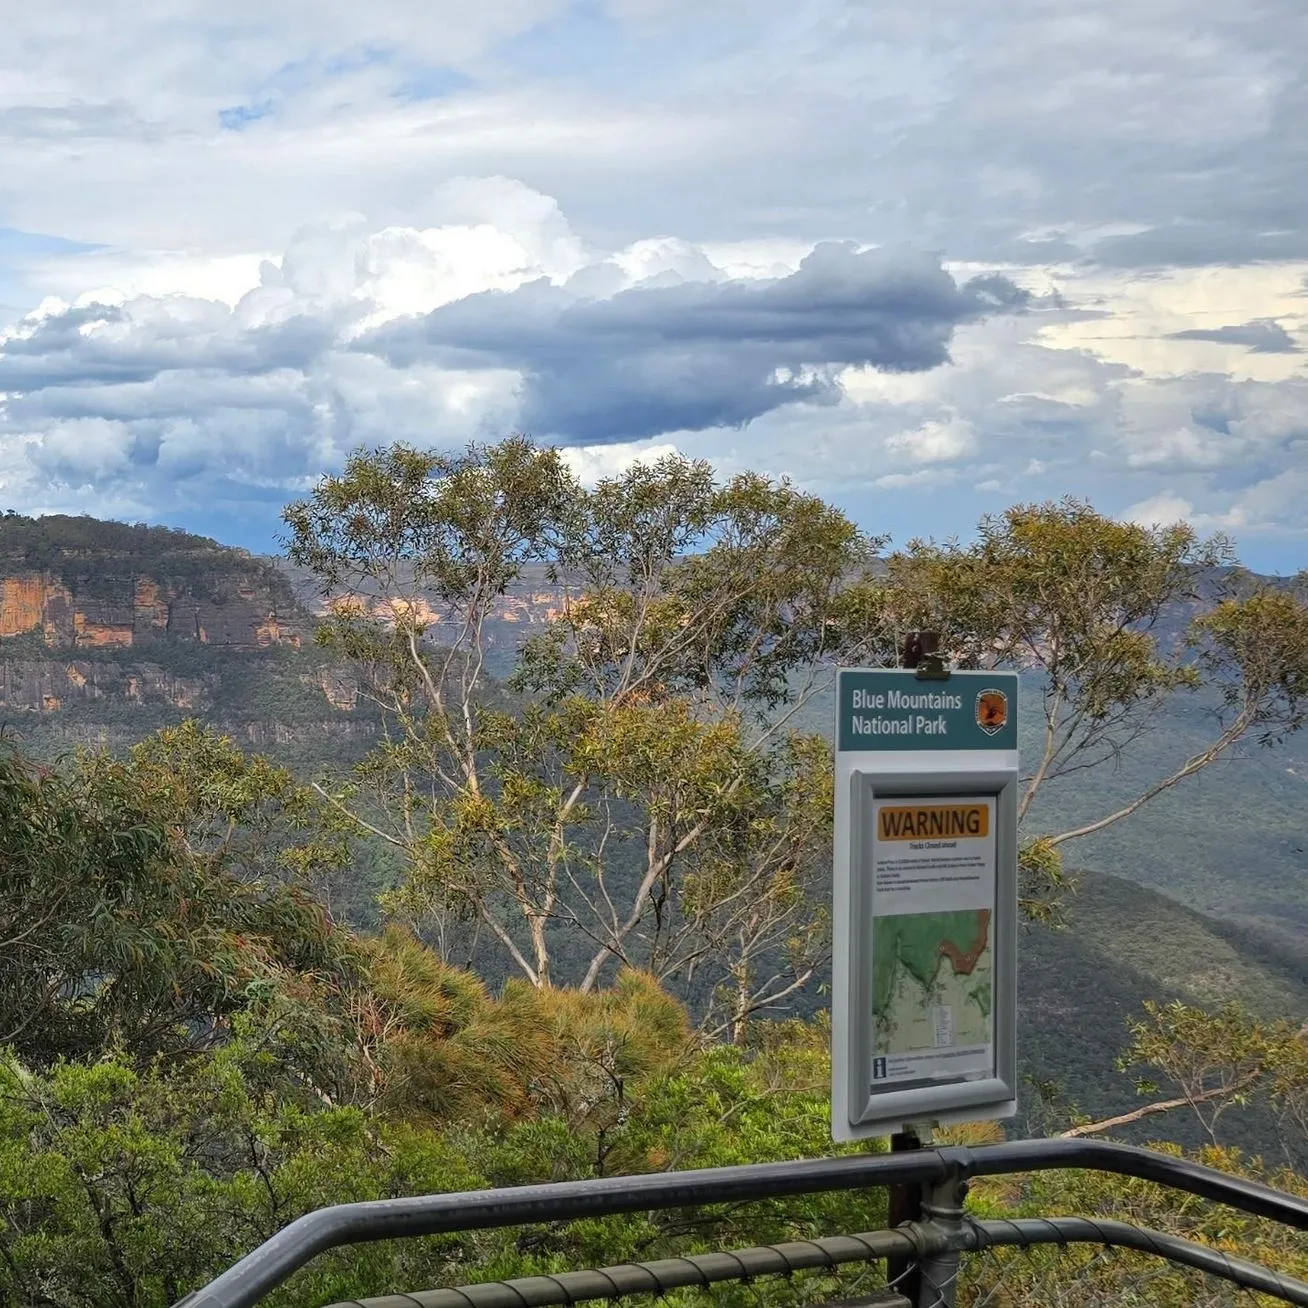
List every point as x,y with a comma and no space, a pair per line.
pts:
892,710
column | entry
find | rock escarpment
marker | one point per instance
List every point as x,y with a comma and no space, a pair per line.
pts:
117,605
108,631
45,685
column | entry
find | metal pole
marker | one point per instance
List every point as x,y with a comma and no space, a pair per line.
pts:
942,1217
904,1202
904,1206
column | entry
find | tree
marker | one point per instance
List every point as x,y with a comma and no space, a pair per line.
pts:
126,1187
1111,620
1214,1062
114,930
239,815
636,795
1073,1276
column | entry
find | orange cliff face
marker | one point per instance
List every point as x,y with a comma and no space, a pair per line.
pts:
246,617
23,604
149,606
272,632
89,634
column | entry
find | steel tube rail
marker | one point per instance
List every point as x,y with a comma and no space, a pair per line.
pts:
807,1255
657,1277
1028,1231
266,1267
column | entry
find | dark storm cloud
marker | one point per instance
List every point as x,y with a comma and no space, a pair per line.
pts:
652,360
1199,245
1262,336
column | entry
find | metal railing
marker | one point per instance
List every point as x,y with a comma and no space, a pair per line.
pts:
935,1243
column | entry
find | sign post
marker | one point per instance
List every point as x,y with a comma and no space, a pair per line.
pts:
925,900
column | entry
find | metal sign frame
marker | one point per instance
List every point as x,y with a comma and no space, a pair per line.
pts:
931,772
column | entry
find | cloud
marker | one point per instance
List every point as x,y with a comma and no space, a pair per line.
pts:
1262,336
935,442
499,318
698,354
909,392
592,463
1209,421
1138,135
923,478
118,345
1161,510
207,330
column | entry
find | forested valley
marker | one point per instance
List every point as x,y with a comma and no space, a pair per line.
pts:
486,839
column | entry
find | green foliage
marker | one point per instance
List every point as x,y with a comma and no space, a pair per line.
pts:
320,1067
1255,648
123,921
702,603
130,1186
635,797
1058,1275
243,814
1080,599
47,541
198,1052
1217,1061
1042,878
1083,982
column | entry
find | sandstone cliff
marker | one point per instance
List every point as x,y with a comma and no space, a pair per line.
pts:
77,583
45,685
98,619
119,606
530,601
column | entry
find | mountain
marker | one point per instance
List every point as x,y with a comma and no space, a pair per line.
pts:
1123,944
530,602
109,631
80,584
1201,897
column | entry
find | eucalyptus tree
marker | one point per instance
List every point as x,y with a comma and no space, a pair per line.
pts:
637,794
1113,621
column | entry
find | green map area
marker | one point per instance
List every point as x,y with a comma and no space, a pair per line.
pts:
932,980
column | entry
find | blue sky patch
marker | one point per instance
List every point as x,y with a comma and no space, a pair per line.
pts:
433,83
575,42
240,116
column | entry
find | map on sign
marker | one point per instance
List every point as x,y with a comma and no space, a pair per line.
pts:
933,897
933,974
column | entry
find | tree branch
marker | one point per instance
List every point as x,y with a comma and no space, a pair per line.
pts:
1162,1106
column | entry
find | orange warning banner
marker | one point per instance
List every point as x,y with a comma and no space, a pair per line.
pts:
934,822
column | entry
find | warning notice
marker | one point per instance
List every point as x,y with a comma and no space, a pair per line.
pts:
928,855
933,899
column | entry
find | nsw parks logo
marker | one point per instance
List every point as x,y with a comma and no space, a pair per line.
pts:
991,711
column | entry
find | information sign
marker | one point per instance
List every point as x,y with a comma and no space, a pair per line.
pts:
925,899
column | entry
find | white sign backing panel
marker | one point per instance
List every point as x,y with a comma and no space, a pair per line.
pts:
925,896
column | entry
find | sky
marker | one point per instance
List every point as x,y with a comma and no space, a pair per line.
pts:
926,258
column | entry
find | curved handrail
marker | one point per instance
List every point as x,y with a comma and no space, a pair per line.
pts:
565,1289
266,1267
